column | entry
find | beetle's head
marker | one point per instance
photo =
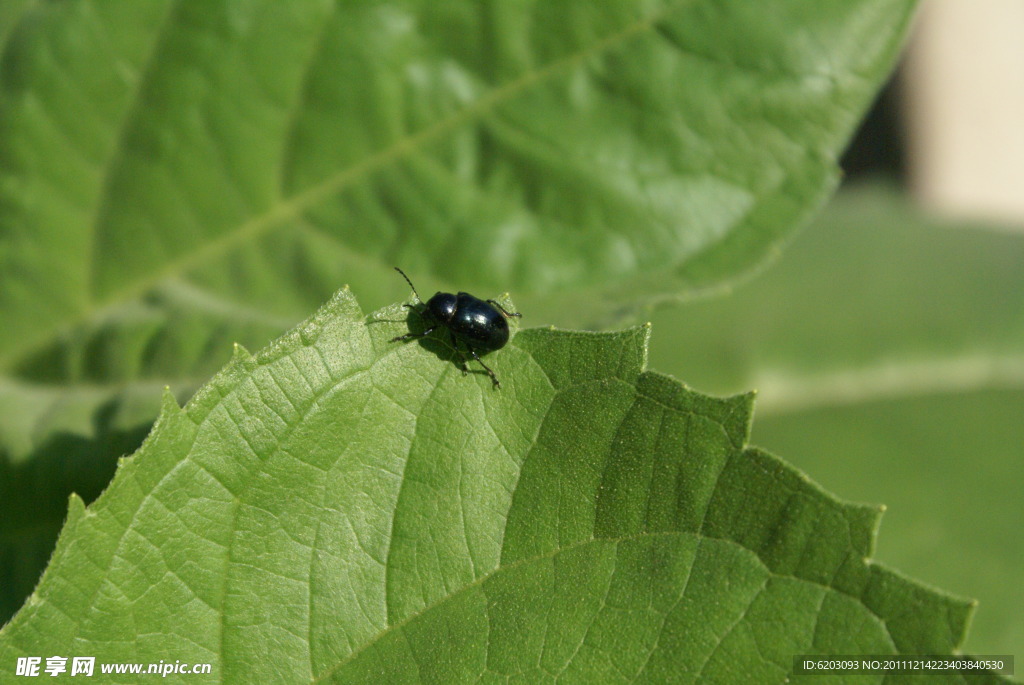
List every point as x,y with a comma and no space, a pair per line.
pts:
442,307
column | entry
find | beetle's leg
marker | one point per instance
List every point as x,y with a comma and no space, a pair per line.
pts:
503,310
407,336
425,332
462,357
494,378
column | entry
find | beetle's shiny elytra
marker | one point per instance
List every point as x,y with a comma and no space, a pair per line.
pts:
478,324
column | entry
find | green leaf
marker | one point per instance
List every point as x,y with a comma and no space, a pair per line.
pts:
343,508
888,351
265,152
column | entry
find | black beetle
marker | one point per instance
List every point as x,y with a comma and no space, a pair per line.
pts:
479,324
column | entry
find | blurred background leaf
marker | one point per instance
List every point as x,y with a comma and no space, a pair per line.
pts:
587,156
888,352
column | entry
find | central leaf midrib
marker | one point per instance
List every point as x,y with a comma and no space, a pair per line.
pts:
476,582
549,554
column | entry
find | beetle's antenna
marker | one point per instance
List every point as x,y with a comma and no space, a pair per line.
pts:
410,284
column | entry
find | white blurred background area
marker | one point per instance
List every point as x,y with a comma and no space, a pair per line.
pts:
950,125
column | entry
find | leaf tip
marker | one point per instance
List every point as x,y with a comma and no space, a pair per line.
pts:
168,402
239,354
76,507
